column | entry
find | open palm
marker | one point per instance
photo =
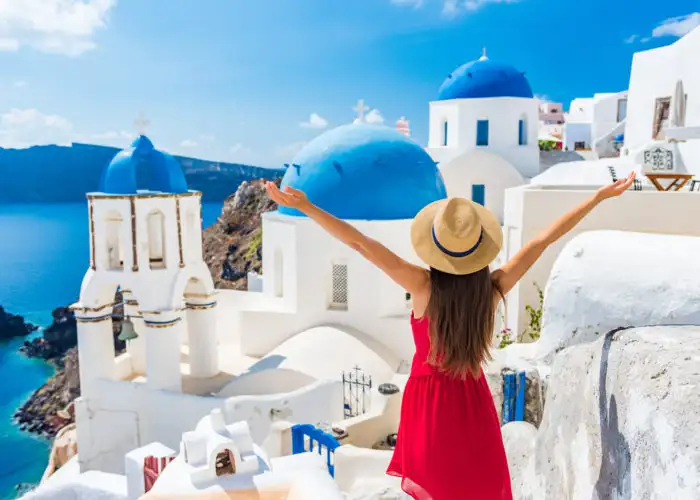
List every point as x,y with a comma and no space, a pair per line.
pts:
616,188
290,197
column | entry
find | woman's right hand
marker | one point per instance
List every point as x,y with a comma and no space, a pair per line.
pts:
290,197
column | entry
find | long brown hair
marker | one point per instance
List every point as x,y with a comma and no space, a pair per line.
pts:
461,310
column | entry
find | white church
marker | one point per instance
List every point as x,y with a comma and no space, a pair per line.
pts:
213,380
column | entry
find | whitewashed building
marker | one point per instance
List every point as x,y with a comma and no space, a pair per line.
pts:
658,78
595,123
483,131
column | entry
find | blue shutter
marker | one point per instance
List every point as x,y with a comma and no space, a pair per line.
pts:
482,133
522,133
479,194
444,135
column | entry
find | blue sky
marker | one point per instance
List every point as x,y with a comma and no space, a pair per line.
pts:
253,80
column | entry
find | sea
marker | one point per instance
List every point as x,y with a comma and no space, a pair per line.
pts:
44,253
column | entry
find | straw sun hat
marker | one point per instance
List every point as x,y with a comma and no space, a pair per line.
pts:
456,236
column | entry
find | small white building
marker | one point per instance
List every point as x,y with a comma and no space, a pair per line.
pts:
654,77
654,82
483,131
594,123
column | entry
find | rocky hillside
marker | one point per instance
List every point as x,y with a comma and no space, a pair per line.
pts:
50,407
233,246
34,174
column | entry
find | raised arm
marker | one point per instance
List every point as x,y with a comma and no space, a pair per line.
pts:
413,279
508,276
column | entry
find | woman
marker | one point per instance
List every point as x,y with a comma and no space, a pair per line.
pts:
449,443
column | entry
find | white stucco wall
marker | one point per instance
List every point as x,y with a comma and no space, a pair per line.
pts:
576,132
503,114
126,416
263,321
603,280
530,210
654,75
478,166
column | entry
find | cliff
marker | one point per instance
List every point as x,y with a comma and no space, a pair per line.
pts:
50,407
66,173
233,245
12,326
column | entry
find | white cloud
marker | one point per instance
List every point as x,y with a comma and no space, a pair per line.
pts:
631,39
451,8
374,116
22,128
315,121
477,4
189,143
117,139
54,26
677,26
20,84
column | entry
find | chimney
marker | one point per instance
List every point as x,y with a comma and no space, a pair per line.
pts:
403,127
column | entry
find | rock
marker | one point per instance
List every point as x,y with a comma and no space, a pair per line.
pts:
519,442
233,245
65,447
590,293
43,413
12,326
534,400
621,418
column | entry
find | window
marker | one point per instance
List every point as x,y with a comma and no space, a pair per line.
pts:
482,133
339,286
409,302
479,194
621,109
579,145
156,240
444,133
662,112
115,246
522,133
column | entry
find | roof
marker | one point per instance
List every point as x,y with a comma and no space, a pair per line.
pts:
365,172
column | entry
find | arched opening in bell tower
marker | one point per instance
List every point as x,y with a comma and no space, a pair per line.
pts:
156,239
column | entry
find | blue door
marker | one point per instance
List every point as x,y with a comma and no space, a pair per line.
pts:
479,194
444,135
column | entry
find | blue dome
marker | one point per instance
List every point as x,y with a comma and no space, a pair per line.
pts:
367,172
143,168
484,78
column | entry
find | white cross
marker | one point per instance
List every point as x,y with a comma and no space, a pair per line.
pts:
360,109
141,123
483,54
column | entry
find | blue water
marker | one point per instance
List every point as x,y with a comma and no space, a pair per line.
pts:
44,252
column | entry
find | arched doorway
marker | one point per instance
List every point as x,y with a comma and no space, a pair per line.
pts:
225,463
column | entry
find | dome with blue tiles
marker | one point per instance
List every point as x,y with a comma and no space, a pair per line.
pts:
366,172
484,78
142,168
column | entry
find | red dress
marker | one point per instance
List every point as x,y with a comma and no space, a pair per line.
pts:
449,444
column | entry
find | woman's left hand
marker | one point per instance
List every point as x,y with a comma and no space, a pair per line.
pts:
290,197
616,188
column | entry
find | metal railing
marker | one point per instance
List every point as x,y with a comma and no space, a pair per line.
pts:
317,441
357,387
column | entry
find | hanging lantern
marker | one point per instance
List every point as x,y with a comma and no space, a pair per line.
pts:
128,332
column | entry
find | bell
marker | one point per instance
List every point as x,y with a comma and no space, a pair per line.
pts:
128,332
